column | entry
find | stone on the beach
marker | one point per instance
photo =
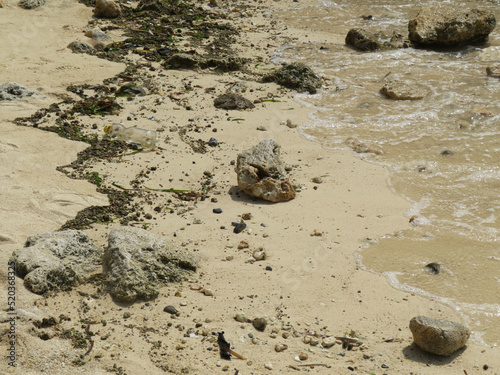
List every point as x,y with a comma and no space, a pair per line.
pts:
261,173
449,26
362,40
441,337
184,61
107,9
233,101
130,90
31,4
297,76
493,71
191,61
137,264
398,90
80,47
13,91
98,36
56,260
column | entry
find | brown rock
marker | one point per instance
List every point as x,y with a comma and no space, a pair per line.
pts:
441,337
362,40
107,9
397,90
493,71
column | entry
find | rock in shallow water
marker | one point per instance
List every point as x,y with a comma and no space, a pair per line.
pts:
441,337
297,76
362,40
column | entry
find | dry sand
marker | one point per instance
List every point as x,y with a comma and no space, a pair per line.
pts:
315,285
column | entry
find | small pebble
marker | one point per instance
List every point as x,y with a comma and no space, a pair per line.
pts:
241,317
126,315
384,366
317,180
240,227
214,200
280,347
250,335
268,366
269,268
213,142
259,255
259,324
217,210
208,292
303,356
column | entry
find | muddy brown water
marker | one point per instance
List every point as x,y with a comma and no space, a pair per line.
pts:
443,151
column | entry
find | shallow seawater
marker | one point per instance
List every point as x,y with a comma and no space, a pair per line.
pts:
443,151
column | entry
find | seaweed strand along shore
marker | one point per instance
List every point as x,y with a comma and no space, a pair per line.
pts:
279,279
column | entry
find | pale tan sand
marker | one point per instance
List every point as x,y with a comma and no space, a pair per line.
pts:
315,284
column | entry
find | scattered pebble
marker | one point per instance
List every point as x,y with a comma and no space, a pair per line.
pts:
259,254
241,317
280,347
213,142
262,128
317,180
217,210
208,292
269,268
243,245
171,310
239,227
268,366
259,324
316,233
290,124
328,342
246,216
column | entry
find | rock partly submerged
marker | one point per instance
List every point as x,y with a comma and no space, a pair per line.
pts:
449,26
441,337
261,173
400,90
362,40
137,264
297,76
56,260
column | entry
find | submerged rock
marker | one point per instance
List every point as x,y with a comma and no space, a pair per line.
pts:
137,264
261,173
362,40
13,91
295,76
107,9
493,71
232,101
56,260
450,26
441,337
398,90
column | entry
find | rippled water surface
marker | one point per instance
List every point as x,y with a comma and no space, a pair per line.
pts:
443,151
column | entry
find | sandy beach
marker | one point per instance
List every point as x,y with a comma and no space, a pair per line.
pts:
308,285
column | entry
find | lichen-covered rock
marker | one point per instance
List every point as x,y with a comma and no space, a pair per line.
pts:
362,40
450,26
398,90
137,264
261,173
233,101
191,61
297,76
56,260
13,91
107,9
31,4
441,337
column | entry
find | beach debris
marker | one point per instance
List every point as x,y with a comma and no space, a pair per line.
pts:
56,260
448,26
14,91
398,90
31,4
81,47
232,101
297,76
137,264
259,324
261,173
225,348
441,337
493,71
144,138
433,268
362,40
107,9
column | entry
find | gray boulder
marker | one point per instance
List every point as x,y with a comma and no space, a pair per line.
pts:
441,337
398,90
137,264
14,91
297,76
261,173
56,260
450,26
362,40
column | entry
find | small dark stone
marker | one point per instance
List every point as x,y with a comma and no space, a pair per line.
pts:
214,200
486,367
251,336
259,324
384,366
239,227
433,268
447,153
350,368
170,309
269,268
217,210
148,216
126,315
213,142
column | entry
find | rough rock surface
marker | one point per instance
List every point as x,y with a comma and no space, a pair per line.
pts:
31,4
398,90
261,173
441,337
137,264
493,71
232,101
362,40
190,61
107,9
56,260
13,91
450,26
295,76
80,47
